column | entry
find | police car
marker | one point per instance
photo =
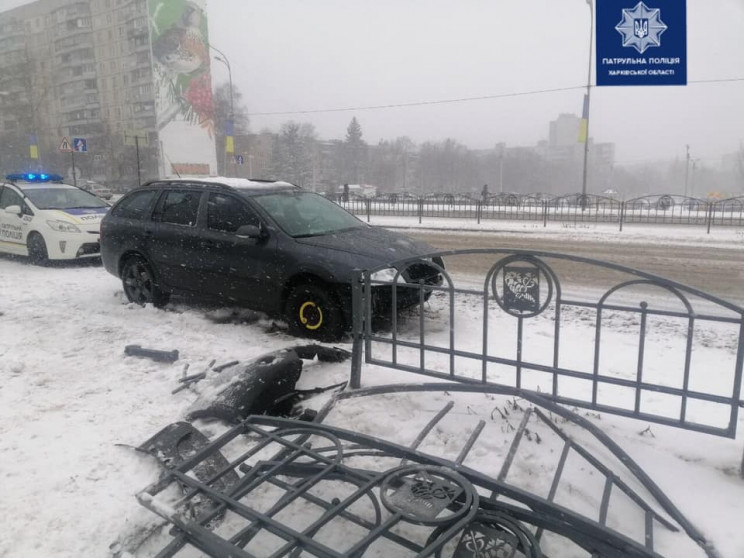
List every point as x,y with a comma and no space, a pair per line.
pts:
44,219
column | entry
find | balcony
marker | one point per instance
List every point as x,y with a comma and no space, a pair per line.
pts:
68,48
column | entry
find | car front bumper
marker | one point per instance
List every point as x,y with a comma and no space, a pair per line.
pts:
73,246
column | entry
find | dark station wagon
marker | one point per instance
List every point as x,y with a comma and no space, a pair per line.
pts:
271,246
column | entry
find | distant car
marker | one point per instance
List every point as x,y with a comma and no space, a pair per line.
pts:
44,219
98,190
271,246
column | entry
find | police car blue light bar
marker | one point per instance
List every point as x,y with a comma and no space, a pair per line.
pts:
33,177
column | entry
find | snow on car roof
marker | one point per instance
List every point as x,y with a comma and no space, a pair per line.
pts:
240,183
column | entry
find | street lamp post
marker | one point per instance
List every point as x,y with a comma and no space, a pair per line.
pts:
687,168
692,182
229,127
587,102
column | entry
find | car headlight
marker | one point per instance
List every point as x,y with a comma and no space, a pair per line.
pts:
63,226
387,275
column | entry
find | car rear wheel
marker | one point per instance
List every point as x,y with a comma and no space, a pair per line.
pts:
313,311
140,285
37,249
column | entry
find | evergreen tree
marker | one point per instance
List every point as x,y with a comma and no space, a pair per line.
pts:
355,153
294,153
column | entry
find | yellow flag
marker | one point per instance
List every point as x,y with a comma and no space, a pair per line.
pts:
229,144
33,151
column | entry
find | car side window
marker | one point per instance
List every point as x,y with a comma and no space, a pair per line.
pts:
228,214
135,206
9,197
178,207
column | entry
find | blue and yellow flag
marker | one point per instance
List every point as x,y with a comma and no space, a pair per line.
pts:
229,141
584,124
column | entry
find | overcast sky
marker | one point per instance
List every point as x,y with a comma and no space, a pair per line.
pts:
294,55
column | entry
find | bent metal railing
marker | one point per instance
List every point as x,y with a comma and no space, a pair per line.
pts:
630,343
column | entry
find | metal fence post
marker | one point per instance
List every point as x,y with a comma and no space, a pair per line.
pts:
622,214
368,204
355,379
420,209
710,216
478,209
545,213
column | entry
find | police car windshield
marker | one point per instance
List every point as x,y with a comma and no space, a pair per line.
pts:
62,198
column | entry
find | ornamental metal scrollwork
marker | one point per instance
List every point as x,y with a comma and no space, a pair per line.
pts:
522,286
427,495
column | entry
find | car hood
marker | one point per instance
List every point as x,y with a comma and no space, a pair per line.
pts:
374,243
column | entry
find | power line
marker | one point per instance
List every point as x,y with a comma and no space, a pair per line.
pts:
420,103
458,100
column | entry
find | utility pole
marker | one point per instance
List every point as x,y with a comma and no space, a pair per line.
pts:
136,146
74,174
587,103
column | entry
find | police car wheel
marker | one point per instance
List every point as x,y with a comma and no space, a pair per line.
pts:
313,311
139,283
37,249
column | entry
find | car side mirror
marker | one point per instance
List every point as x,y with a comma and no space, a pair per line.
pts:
249,231
14,210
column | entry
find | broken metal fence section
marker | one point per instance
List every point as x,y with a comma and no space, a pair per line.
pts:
279,487
527,336
663,209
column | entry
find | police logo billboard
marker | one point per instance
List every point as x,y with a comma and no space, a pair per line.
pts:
641,43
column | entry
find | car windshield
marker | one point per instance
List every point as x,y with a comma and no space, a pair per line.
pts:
62,198
307,214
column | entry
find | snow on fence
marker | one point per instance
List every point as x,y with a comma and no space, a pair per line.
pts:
574,208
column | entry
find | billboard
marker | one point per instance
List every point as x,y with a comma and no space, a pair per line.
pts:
183,86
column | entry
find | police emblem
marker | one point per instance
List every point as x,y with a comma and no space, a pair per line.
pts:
641,27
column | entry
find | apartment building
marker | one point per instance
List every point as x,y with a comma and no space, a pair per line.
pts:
86,68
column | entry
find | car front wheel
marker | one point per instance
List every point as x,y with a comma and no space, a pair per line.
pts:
140,285
37,249
313,311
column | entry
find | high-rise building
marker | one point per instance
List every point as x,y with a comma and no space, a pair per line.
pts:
107,71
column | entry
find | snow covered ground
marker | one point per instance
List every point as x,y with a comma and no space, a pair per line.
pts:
68,395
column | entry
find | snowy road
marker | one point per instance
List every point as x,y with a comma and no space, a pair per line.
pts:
703,262
68,395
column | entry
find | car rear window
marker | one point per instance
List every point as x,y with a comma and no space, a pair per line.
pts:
134,206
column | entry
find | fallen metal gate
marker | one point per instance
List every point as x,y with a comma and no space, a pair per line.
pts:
693,380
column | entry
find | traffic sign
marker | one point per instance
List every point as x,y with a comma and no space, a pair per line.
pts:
64,146
80,145
239,159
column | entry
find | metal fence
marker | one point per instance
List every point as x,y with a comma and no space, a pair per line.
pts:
591,348
574,208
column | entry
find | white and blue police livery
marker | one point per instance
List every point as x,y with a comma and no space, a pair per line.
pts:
45,219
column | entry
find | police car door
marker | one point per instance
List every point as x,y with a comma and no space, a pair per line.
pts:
13,225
